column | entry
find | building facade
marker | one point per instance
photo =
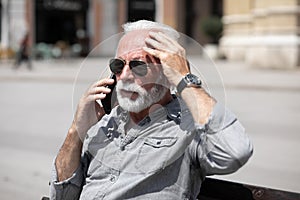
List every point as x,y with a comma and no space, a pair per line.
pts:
263,33
67,24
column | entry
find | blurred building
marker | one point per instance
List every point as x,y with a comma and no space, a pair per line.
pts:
74,27
263,33
56,27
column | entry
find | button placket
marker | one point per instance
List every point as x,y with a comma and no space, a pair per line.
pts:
116,163
113,178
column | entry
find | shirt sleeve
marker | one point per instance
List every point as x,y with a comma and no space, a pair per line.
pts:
221,146
70,188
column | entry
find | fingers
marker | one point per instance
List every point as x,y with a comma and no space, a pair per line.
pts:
161,41
152,52
103,82
99,90
156,44
163,38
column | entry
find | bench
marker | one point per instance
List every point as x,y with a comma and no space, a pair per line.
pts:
215,189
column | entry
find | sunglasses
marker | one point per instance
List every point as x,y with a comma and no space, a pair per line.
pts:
138,67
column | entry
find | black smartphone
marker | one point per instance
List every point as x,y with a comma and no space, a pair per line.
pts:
111,98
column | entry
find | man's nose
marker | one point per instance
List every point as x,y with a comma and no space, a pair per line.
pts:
126,73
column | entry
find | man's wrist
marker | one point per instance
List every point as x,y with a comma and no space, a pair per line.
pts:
74,134
189,80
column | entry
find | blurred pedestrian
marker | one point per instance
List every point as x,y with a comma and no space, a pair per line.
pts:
23,54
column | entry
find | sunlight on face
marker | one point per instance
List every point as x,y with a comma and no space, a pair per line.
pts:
144,98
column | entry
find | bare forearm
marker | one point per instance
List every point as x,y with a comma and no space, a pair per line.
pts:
199,102
87,114
68,158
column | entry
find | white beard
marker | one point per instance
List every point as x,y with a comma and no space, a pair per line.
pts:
144,100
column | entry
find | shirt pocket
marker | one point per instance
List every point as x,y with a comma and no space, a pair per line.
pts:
153,154
95,165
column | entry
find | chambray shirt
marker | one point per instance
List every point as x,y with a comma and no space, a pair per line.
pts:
166,156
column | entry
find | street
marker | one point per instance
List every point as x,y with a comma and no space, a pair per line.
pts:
37,109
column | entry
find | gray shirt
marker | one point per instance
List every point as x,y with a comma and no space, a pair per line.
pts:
166,156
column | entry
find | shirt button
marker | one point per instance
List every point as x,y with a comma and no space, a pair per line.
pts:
113,178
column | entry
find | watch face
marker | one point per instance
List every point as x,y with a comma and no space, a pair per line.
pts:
193,79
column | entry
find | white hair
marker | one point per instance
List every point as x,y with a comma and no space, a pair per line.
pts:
145,24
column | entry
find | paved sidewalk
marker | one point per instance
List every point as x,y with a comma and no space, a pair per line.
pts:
37,108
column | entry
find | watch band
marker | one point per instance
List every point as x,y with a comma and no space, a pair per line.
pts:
181,85
189,80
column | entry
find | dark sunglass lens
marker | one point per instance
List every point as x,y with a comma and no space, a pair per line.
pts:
139,67
116,66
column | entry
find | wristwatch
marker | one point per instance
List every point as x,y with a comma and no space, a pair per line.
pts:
190,80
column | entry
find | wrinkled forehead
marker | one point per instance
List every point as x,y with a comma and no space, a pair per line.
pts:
132,41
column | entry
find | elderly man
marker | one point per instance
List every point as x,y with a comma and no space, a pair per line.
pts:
154,144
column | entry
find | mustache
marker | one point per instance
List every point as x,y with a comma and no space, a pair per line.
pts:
132,87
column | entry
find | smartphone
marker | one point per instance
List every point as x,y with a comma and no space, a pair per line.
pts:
111,98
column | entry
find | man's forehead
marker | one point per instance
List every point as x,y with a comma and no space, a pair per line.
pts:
134,40
137,33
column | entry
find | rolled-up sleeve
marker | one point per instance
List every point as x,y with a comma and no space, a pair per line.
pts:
70,188
221,146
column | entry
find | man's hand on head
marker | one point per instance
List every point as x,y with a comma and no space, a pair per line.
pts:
171,54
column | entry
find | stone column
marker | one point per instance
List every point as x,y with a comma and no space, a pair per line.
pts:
105,26
170,13
96,22
173,14
159,11
5,29
30,25
263,33
275,42
237,22
18,23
